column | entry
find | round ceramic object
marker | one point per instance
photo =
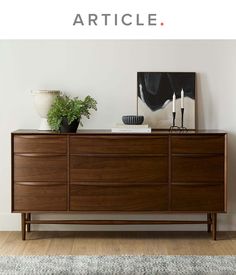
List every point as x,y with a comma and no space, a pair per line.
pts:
132,120
43,100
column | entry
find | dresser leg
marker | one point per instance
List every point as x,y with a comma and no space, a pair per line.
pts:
23,225
214,225
209,220
28,217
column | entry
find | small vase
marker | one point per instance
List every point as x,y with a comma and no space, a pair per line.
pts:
43,100
69,128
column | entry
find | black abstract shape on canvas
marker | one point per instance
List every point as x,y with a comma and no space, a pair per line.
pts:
156,88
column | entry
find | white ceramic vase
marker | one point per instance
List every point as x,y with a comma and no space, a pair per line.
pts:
43,100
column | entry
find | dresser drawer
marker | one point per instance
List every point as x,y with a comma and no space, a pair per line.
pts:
200,144
36,196
118,145
118,198
198,168
119,169
39,144
36,167
197,197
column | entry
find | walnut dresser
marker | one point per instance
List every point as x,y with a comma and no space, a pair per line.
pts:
103,172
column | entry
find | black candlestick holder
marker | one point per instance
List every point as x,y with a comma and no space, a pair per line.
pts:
182,120
174,127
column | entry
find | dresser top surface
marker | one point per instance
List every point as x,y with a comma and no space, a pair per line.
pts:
108,132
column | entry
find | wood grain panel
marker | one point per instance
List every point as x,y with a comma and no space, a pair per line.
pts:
40,168
198,168
39,144
119,144
115,198
200,144
39,197
197,197
119,169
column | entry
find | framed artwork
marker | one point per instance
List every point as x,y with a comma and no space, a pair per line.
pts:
157,92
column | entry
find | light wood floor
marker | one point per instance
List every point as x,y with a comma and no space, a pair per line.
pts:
117,243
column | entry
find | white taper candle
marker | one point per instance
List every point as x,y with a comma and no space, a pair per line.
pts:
174,98
182,99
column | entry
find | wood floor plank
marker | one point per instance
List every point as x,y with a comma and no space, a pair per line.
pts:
62,244
13,245
3,236
36,245
117,243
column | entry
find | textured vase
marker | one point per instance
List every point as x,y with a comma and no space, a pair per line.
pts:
43,100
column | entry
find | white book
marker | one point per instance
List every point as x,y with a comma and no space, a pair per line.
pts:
131,130
121,125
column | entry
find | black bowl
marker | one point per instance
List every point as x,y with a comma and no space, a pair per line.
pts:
132,120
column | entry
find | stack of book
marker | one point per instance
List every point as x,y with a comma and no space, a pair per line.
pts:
124,128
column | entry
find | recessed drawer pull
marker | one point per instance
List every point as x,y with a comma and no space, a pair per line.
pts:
196,184
36,184
209,155
119,155
39,155
119,137
41,137
119,184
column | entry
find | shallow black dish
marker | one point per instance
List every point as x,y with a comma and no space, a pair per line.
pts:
132,120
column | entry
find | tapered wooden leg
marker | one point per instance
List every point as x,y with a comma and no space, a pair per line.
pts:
209,219
214,225
23,227
28,217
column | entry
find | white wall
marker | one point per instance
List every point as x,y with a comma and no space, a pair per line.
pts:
107,71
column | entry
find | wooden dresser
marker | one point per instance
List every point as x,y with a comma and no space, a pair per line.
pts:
99,171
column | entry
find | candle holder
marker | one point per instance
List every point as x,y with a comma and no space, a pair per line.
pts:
182,121
174,127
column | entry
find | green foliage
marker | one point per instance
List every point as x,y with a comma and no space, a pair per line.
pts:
71,108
